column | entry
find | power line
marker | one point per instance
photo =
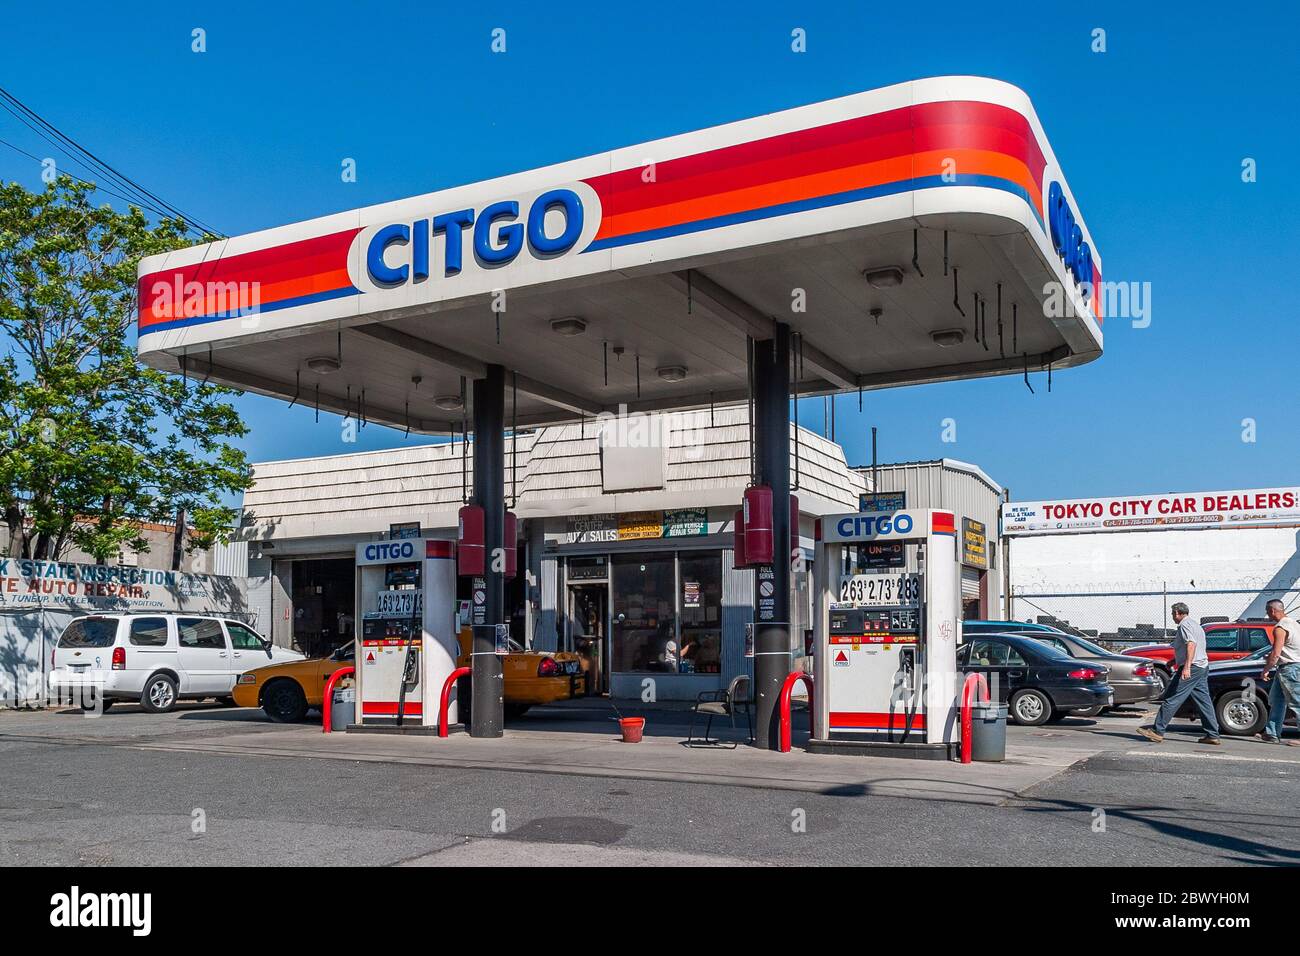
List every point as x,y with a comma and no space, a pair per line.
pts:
95,165
86,182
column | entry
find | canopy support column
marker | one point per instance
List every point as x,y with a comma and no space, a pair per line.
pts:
488,682
772,654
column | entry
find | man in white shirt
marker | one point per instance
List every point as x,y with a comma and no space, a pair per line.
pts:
1284,683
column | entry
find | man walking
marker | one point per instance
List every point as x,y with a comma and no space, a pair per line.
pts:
1284,684
1191,679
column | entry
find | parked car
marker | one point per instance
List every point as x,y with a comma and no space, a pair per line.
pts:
286,691
1240,697
1223,642
1133,680
156,659
1038,682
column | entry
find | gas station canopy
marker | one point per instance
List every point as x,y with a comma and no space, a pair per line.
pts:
910,234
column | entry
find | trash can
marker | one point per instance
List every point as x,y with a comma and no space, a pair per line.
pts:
343,709
988,732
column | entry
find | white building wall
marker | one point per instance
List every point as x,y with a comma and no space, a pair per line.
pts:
1115,580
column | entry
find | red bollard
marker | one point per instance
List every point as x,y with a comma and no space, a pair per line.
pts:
329,692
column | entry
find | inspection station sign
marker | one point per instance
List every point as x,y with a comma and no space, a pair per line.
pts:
1193,509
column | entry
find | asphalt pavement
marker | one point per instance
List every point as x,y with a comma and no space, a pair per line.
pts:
133,788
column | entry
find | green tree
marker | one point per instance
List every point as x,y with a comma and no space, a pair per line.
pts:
92,443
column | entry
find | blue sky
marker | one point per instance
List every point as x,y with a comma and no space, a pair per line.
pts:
1151,135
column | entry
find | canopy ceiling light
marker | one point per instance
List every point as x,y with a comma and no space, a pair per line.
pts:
449,403
890,277
671,373
948,338
323,364
569,326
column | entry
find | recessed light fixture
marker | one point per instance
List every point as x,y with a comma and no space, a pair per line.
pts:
671,373
889,277
449,403
572,325
948,338
323,364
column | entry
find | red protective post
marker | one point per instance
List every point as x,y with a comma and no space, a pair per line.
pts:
445,701
972,682
329,692
783,706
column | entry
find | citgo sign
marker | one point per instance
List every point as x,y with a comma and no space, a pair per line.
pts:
498,237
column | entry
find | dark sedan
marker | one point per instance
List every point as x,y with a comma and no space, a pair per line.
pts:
1036,681
1240,697
1133,680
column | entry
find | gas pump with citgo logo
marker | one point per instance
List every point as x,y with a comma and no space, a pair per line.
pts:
407,637
886,586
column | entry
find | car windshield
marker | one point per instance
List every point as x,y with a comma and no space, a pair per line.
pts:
90,632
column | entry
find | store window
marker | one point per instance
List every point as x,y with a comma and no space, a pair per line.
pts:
700,574
645,612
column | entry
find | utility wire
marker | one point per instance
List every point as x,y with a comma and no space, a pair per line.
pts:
85,158
86,182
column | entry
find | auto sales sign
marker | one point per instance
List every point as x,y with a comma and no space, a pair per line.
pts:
1193,509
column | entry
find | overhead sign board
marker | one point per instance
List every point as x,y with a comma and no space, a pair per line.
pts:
1188,510
882,501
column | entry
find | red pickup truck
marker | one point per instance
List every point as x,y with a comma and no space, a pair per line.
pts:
1223,642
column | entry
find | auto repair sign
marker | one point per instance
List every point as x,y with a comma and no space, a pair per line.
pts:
1193,509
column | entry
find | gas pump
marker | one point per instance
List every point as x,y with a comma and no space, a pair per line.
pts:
887,606
407,641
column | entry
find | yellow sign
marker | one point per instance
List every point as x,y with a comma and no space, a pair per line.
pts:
974,544
640,524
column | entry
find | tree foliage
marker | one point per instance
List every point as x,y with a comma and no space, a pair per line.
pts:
92,443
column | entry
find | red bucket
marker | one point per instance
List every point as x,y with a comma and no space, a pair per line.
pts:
632,728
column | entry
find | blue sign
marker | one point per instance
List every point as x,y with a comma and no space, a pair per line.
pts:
497,237
382,551
883,501
1067,236
863,526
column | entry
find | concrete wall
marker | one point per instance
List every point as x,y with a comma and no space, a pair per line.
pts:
1121,579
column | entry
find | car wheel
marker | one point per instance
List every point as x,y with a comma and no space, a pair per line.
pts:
284,702
159,695
516,710
1029,708
1162,682
1240,715
1089,712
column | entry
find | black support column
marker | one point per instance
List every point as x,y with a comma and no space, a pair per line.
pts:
488,683
772,656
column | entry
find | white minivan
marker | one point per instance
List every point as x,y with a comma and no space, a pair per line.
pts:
156,658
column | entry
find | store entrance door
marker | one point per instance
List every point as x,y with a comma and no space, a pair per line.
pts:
324,593
589,632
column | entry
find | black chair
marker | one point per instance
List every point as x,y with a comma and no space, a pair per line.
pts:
722,703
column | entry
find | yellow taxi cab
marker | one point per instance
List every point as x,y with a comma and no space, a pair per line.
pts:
533,677
286,691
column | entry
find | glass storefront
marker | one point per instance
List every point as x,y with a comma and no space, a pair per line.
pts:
667,612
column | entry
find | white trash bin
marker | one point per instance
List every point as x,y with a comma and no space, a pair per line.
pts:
343,709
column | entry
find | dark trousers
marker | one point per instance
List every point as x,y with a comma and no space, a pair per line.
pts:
1197,687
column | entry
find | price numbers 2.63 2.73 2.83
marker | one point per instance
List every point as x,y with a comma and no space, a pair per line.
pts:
880,589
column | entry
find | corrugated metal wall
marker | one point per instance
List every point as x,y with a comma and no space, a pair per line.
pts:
946,484
737,611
